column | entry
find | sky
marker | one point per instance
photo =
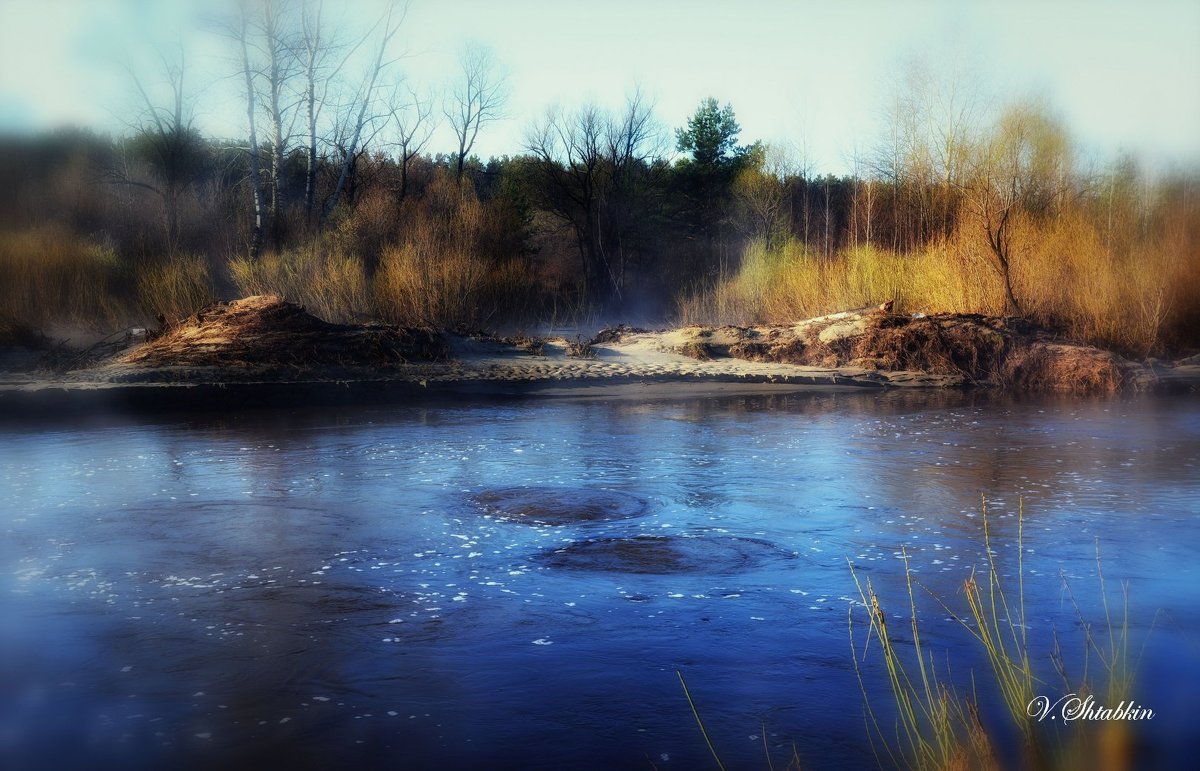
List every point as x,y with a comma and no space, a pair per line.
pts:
813,76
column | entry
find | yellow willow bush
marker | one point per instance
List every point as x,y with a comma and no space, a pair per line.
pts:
1133,296
450,288
51,275
329,283
1124,296
791,283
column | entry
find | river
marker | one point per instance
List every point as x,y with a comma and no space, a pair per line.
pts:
515,584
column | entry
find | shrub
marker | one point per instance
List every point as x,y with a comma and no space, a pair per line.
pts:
330,283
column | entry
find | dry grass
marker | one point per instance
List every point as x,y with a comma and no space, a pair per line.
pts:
324,279
580,349
790,283
174,289
17,334
696,349
1061,369
969,348
1135,296
1127,297
441,274
941,346
939,727
534,346
50,275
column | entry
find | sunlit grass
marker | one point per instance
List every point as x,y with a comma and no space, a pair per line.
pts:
174,289
1133,296
329,283
442,274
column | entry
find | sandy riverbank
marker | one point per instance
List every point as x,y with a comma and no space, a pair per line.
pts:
263,351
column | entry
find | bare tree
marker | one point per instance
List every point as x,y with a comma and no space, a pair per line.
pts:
476,98
932,124
760,193
323,59
569,148
281,47
590,164
635,140
364,109
165,141
862,202
412,122
315,53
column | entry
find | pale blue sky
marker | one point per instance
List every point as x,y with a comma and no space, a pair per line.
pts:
817,75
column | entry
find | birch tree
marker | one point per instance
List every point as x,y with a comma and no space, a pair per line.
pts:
242,35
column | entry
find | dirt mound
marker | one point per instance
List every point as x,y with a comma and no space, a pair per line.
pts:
949,345
266,331
978,349
1042,366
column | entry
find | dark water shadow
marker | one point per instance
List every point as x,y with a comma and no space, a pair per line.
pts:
665,555
545,505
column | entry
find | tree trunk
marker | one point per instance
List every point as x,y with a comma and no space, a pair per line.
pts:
255,171
275,81
405,159
310,174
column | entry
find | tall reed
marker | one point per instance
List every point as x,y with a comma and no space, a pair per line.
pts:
940,727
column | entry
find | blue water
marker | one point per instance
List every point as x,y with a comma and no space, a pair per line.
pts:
316,589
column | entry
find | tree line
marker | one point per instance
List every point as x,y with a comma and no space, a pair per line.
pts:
604,209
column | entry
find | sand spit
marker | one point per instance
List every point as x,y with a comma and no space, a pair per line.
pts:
266,350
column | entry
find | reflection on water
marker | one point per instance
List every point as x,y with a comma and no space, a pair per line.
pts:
513,585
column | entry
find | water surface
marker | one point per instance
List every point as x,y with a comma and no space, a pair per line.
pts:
515,585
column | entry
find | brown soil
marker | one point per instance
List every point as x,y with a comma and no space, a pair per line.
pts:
266,331
1042,366
979,349
534,346
698,350
267,338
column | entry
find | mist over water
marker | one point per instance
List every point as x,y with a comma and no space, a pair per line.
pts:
514,585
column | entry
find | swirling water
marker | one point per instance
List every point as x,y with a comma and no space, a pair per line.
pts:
515,584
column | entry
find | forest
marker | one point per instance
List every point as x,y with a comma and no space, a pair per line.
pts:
336,198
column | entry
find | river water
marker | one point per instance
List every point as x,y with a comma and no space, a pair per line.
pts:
516,584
